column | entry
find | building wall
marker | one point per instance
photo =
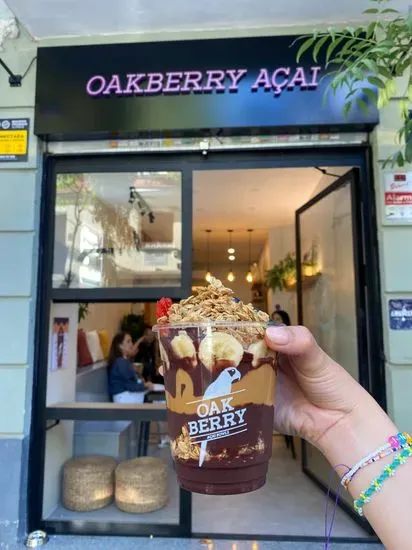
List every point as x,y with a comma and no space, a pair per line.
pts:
396,268
19,221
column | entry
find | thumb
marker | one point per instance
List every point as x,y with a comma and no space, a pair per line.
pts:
299,344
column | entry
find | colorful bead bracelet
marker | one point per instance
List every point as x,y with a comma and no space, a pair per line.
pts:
376,485
395,443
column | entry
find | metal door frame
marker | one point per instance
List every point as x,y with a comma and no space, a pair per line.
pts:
353,179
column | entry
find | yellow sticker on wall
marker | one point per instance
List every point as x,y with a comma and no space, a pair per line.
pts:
14,140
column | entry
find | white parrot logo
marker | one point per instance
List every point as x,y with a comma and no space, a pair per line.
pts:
219,388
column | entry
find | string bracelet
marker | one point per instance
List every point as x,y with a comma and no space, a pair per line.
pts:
376,485
394,443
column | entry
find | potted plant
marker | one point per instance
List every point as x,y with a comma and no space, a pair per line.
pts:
83,311
283,274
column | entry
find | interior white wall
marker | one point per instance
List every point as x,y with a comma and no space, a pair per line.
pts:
107,316
281,241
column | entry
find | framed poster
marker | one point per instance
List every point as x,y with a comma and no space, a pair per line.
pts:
59,343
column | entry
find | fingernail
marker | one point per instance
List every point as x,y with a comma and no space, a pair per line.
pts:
278,335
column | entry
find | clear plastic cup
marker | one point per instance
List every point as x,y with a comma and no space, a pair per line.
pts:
219,379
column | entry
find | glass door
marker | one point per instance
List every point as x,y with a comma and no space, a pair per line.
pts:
330,288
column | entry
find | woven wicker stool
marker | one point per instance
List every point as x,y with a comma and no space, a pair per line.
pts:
141,485
88,483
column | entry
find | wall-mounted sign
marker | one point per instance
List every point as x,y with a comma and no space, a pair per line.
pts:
14,139
186,88
400,314
398,196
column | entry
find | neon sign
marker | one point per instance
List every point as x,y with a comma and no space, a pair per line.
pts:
202,82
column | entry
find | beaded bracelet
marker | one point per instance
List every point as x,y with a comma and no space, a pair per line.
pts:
394,443
376,485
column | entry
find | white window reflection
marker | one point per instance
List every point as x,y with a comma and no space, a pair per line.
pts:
118,230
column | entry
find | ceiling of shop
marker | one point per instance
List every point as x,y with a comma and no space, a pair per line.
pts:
246,199
53,18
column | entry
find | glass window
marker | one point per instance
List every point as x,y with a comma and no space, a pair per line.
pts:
106,472
118,230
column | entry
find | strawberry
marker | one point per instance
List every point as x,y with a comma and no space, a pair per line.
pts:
162,307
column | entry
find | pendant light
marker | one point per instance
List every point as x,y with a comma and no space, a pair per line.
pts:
208,276
231,250
249,276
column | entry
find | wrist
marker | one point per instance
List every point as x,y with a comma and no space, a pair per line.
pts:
357,434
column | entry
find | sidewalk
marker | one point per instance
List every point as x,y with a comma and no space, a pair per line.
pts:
118,543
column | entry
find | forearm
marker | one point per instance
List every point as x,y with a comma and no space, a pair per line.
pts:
390,510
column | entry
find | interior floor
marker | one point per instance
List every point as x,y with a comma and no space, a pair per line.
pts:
288,505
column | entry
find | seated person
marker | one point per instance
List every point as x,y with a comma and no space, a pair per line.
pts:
124,385
145,351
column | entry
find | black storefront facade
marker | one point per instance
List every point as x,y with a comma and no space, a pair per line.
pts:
180,107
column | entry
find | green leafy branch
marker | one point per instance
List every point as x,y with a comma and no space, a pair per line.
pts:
365,62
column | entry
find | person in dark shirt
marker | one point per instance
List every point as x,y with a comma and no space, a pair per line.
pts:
146,353
124,385
281,317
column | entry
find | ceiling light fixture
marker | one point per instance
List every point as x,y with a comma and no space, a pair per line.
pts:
230,276
208,276
230,250
249,276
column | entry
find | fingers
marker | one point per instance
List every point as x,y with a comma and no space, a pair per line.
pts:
298,344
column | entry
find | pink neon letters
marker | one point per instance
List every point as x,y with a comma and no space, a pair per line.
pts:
213,80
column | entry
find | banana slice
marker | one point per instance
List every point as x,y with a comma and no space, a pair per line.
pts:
260,351
163,356
183,347
219,347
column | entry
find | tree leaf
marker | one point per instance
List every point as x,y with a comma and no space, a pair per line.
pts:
357,72
319,45
385,72
346,109
388,10
382,99
400,161
375,81
370,94
371,10
371,65
364,107
332,47
408,150
304,47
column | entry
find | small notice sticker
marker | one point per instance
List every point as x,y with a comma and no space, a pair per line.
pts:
14,139
400,314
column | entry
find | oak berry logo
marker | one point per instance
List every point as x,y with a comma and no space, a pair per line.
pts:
217,418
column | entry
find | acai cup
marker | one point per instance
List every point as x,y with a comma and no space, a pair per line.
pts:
219,379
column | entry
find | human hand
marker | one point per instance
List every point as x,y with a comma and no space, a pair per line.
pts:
313,393
149,386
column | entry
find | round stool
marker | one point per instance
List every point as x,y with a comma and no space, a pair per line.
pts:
88,483
141,485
